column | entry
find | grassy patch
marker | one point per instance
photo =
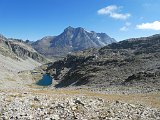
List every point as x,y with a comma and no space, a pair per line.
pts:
35,106
146,99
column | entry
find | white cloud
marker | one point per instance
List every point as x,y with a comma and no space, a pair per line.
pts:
120,16
125,27
150,26
107,10
112,11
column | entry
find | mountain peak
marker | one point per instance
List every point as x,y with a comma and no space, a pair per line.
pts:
72,28
71,40
80,28
69,28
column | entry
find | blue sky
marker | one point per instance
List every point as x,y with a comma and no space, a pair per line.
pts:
121,19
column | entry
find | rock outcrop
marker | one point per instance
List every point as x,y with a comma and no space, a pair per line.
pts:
130,62
15,48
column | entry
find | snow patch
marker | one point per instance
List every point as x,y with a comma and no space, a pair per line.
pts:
100,42
87,31
98,37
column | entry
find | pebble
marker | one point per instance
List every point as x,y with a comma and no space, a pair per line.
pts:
69,108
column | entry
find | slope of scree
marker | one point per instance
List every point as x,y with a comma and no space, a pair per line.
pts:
16,48
130,62
71,40
16,56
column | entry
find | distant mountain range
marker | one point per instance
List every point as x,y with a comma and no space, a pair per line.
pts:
71,40
134,61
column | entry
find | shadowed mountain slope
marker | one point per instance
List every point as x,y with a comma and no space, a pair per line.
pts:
129,62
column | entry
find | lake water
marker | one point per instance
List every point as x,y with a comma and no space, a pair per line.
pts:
45,81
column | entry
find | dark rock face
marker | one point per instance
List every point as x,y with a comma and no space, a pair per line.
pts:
15,48
130,62
72,39
24,53
67,69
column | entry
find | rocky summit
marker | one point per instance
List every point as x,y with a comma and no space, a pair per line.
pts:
71,40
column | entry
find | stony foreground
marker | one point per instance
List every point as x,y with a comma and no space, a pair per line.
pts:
21,99
46,106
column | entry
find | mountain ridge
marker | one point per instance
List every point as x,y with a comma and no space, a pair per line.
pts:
71,40
18,48
129,62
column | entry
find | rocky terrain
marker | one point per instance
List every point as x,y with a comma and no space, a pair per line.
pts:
132,63
16,55
31,106
71,40
22,99
18,48
115,82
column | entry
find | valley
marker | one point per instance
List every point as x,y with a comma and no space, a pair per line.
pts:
79,60
116,81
